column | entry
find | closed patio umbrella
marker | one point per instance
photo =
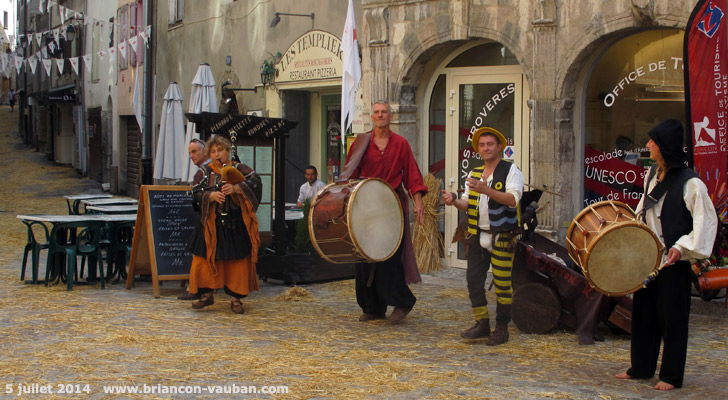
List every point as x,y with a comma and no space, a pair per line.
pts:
171,156
203,98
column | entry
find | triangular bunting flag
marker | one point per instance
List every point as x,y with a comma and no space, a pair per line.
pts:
18,63
44,51
101,53
122,49
39,37
52,46
133,43
62,12
57,34
74,64
47,66
112,51
33,62
87,60
60,62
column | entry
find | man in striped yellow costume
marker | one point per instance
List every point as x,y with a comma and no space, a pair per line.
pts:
491,197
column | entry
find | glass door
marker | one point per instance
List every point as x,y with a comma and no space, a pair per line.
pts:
475,101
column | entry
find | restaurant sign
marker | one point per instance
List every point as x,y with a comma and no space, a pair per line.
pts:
313,56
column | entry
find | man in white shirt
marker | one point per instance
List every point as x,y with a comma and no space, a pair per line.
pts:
680,212
310,187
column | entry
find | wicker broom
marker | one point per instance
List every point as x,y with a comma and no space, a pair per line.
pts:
426,238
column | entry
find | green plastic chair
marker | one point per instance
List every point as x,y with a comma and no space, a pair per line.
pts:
119,244
33,247
86,243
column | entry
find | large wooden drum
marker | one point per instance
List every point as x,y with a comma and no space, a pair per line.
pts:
356,221
616,252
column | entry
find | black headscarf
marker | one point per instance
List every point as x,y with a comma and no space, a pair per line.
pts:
670,138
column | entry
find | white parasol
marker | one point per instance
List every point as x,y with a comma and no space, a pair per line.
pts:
203,98
171,155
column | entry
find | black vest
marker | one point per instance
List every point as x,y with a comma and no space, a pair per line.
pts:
675,218
502,218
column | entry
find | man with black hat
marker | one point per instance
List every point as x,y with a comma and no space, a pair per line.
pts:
679,210
492,193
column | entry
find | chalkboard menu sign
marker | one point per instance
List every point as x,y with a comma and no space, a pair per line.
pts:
165,221
173,220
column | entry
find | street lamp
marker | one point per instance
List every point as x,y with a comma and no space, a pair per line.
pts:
277,18
70,33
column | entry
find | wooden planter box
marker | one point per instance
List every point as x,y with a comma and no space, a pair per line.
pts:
301,268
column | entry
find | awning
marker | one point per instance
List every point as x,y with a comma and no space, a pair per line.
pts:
62,94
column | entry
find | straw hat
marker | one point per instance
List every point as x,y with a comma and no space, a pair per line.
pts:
486,129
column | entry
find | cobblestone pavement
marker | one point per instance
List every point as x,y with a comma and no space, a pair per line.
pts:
88,338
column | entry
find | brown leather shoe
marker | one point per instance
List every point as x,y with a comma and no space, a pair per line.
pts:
236,306
398,314
499,335
205,300
480,330
370,317
189,296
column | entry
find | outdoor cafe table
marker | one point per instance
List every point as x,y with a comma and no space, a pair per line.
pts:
74,200
113,209
110,219
109,201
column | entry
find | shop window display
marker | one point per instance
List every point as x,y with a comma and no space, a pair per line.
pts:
635,84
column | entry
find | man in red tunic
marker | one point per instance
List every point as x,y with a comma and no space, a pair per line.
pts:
388,156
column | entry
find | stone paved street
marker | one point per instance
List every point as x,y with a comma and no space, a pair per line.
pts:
91,338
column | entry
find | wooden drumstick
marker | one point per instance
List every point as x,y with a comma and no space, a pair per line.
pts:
651,277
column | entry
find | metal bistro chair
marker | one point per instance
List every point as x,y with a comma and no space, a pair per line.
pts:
34,247
86,243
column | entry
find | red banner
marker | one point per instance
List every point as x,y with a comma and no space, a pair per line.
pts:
706,93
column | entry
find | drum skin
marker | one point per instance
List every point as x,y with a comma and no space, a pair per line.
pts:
615,251
356,221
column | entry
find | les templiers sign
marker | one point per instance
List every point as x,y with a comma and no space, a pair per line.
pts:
315,55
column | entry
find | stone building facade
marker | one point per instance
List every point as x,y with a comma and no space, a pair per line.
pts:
555,50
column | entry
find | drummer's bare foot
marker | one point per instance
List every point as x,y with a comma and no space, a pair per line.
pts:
664,386
623,375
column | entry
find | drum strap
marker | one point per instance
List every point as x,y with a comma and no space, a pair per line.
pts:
358,148
657,192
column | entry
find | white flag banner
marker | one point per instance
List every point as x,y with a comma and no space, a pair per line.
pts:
47,66
112,51
133,43
57,35
39,37
60,62
122,49
44,52
136,101
33,63
18,63
62,12
351,73
87,60
40,6
78,15
74,64
50,6
70,13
